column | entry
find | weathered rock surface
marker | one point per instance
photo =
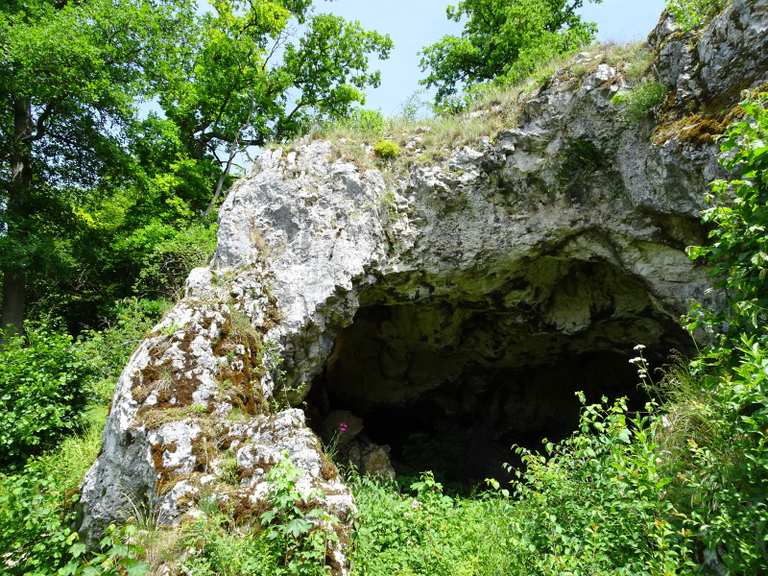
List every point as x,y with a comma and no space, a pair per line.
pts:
563,236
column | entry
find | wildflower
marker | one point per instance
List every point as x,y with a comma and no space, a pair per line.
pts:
343,427
639,348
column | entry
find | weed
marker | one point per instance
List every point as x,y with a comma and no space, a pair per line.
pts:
639,101
386,149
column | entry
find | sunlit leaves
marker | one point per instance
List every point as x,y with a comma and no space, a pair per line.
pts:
502,41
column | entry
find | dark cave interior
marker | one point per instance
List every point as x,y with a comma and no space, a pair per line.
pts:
451,385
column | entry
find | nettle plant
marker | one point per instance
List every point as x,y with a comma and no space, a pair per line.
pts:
300,533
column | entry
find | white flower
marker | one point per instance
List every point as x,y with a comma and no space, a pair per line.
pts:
639,348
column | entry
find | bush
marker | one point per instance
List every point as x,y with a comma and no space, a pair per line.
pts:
42,392
294,538
386,149
35,533
168,260
723,488
738,249
723,483
596,502
690,14
117,555
37,503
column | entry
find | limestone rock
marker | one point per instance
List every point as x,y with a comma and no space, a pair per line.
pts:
729,55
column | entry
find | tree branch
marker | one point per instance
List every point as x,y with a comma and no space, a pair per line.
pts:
40,128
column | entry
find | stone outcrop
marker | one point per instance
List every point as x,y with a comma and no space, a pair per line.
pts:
549,249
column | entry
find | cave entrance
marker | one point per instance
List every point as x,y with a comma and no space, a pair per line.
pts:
449,385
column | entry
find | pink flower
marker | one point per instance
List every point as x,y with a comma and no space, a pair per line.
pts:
343,427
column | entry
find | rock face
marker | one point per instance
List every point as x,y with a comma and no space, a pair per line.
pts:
493,283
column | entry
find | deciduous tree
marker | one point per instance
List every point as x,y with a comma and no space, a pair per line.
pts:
504,40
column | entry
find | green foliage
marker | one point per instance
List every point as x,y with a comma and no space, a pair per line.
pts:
35,533
737,252
367,124
293,540
723,484
596,502
429,532
42,391
502,41
722,487
245,77
36,503
99,203
108,350
165,266
72,76
117,555
691,14
640,100
386,149
301,539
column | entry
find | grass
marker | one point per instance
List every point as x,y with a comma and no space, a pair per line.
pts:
424,531
490,109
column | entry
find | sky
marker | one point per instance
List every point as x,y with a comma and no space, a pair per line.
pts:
413,24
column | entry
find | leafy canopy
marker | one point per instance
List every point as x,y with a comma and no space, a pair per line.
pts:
502,40
97,197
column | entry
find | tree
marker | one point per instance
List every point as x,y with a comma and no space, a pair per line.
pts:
71,74
248,79
502,40
92,191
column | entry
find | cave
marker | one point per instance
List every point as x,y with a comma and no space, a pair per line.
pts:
449,382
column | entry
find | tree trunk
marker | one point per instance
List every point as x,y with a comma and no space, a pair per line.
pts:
14,299
220,183
14,276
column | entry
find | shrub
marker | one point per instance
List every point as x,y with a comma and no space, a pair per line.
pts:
737,252
386,149
293,539
595,503
37,503
42,392
723,483
117,555
690,14
638,102
169,259
722,489
35,533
